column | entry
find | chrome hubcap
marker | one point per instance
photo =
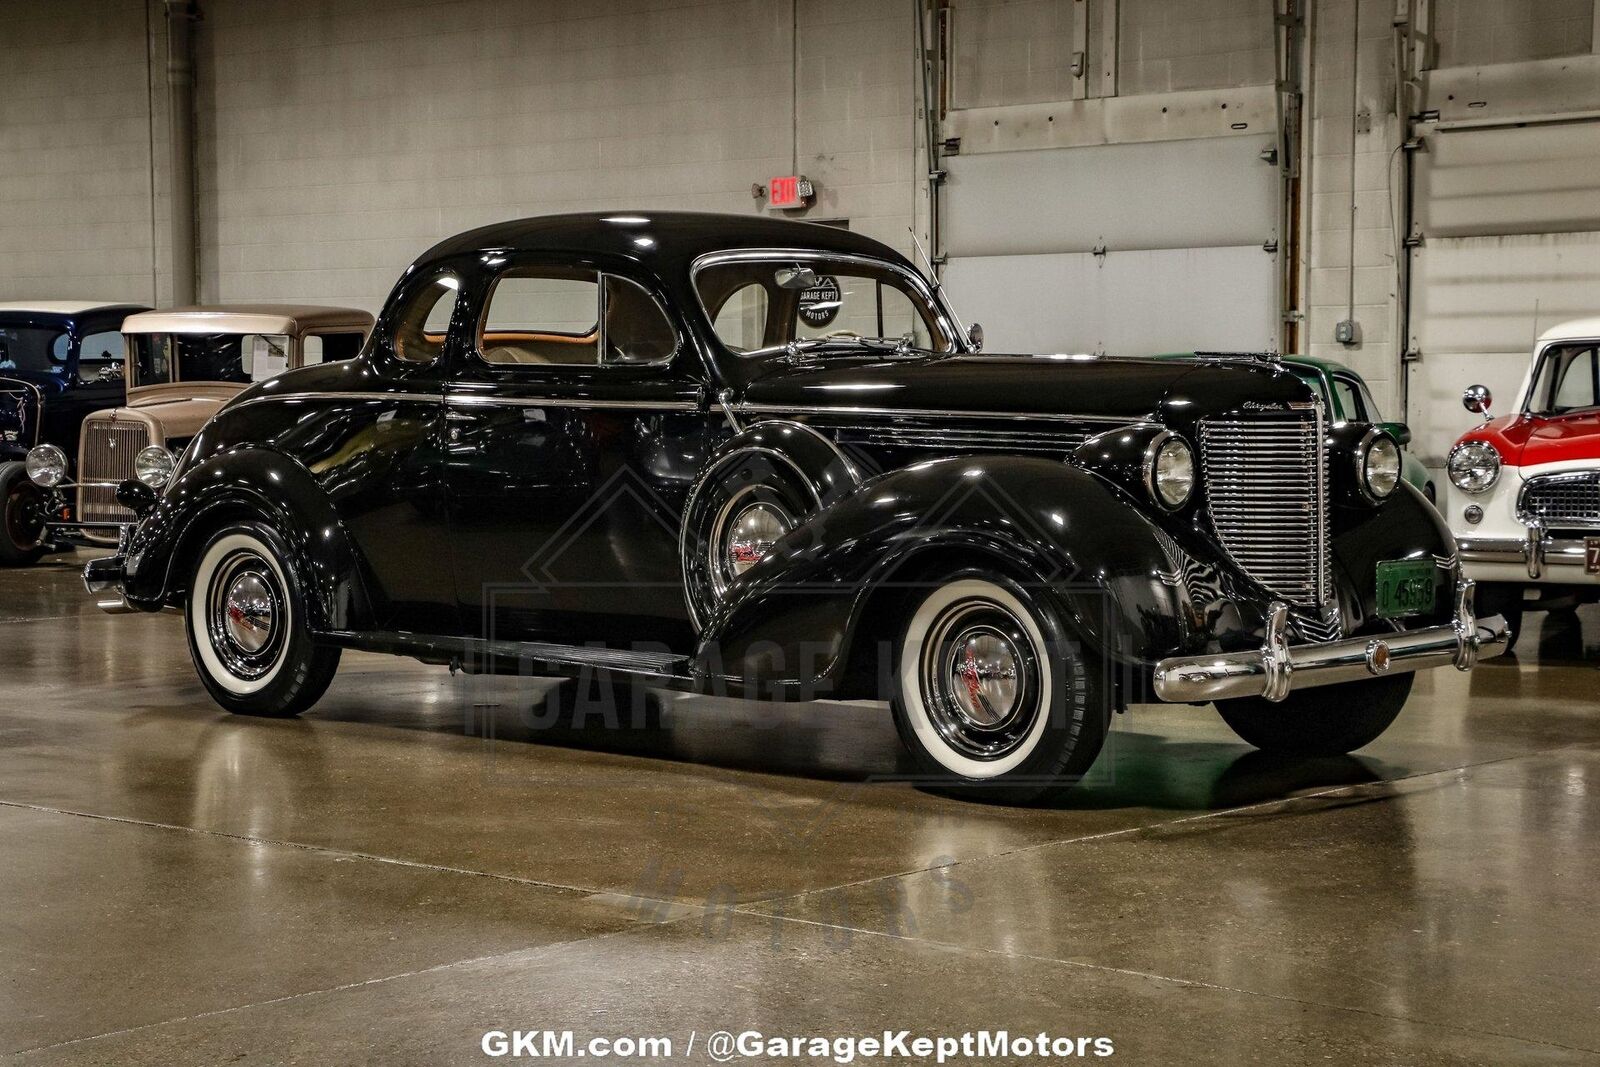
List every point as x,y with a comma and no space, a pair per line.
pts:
245,615
753,533
250,613
745,530
981,679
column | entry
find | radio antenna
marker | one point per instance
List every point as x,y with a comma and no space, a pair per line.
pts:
933,275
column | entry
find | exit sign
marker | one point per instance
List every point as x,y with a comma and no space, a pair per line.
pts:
790,191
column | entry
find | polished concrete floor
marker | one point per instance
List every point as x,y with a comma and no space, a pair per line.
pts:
412,865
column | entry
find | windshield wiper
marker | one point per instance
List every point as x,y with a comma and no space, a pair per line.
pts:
803,346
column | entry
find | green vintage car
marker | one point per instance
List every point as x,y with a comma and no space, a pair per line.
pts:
1348,400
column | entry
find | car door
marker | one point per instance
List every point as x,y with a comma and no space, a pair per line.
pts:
575,425
378,453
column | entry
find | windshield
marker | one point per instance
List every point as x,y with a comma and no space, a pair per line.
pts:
761,304
40,350
1568,380
161,358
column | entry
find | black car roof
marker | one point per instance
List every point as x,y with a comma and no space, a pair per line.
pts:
20,316
665,237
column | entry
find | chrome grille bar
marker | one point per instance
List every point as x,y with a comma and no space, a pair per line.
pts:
106,456
1266,484
1570,500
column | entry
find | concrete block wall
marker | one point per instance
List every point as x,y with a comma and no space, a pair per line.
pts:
1011,51
1345,199
337,139
75,151
344,137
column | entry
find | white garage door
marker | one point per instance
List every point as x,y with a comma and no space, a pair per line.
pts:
1182,225
1510,219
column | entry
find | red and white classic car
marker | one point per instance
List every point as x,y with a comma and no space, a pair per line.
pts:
1527,515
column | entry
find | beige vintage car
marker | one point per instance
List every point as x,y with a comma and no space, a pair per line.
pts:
182,365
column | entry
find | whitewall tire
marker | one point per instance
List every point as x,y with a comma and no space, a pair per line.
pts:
992,697
247,626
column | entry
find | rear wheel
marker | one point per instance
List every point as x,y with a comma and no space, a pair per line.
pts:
992,697
22,517
247,627
1330,720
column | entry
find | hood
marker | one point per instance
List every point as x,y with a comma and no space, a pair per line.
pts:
1168,391
1535,440
27,381
180,409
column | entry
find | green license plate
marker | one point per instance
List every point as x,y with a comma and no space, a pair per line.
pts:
1405,587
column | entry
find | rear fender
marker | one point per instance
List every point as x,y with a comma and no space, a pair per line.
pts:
244,484
808,620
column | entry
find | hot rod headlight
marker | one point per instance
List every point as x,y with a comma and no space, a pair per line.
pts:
46,466
1169,471
154,466
1380,466
1474,466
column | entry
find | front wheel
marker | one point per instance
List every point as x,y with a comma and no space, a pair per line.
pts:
22,517
247,627
1331,720
992,697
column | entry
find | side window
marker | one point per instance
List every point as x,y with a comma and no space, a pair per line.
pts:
741,322
1579,384
98,355
538,316
419,333
636,329
329,348
1350,400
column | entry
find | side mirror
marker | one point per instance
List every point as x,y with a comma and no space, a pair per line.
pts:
1399,431
975,337
1477,399
136,496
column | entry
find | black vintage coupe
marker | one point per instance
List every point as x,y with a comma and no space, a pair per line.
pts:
761,457
59,362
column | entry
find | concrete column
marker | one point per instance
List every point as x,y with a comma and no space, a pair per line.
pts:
181,17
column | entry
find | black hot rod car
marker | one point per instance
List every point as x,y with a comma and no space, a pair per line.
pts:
762,457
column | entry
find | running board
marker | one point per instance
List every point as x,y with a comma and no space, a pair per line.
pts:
433,648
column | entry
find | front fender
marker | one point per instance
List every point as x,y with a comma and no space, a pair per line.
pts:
244,483
794,623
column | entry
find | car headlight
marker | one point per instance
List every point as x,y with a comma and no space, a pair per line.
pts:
46,466
1169,471
1380,465
1473,466
154,466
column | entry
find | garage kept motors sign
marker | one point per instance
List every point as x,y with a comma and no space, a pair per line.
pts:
819,305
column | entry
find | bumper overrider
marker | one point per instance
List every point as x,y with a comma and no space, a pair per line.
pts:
104,577
1279,668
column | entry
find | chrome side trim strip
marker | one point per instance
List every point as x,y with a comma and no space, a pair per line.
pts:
396,398
932,413
484,401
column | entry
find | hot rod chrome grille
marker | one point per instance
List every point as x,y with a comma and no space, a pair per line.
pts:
1571,500
106,456
1266,484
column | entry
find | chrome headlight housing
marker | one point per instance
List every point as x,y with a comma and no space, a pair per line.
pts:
1169,470
46,466
1379,460
1473,466
154,466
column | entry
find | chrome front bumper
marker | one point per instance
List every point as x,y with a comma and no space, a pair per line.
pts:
1279,668
1535,552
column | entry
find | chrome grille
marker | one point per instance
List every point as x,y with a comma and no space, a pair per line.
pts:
1556,500
106,455
1266,484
